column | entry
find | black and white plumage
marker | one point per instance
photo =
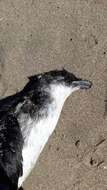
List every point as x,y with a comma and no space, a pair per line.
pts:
28,118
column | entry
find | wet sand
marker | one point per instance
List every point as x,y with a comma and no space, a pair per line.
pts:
38,36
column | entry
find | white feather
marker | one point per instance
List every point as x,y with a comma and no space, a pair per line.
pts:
42,129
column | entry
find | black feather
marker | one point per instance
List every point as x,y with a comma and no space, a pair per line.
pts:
11,143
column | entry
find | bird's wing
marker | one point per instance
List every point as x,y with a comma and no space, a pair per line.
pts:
11,144
4,187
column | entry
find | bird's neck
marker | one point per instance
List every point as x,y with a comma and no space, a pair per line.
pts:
59,94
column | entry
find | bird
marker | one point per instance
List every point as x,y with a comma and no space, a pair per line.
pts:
27,120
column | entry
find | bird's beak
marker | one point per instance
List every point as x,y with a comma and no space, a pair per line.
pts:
82,84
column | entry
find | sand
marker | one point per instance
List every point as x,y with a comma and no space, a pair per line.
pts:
41,35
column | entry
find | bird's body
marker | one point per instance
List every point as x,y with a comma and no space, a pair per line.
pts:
32,115
40,131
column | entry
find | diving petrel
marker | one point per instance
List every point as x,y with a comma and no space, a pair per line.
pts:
28,118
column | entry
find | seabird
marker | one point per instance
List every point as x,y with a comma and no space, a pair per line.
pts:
27,120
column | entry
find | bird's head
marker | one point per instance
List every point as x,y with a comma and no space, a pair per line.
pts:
61,82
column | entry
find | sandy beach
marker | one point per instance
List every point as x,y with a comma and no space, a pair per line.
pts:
42,35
